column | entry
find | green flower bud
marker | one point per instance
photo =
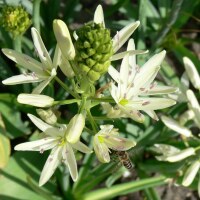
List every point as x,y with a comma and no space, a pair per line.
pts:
15,19
93,51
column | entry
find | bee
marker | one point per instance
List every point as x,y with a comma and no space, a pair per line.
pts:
124,159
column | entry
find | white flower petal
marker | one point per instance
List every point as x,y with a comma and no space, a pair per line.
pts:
122,36
175,126
119,56
114,74
57,57
181,155
131,47
150,103
39,123
192,72
99,16
21,79
160,89
38,145
192,99
191,173
152,114
132,113
50,166
75,128
186,116
64,39
35,100
166,149
113,91
70,161
118,143
194,106
25,61
148,72
142,82
106,128
41,86
41,50
112,112
101,150
81,147
66,68
124,72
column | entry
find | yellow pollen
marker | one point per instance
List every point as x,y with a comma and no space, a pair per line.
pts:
62,142
123,102
101,139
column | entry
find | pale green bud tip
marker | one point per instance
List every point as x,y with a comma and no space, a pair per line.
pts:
35,100
15,19
191,173
75,128
192,72
47,115
93,50
64,39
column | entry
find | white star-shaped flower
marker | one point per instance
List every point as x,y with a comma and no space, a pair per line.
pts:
108,138
135,85
61,141
42,72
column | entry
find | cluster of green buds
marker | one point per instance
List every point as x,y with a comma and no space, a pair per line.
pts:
93,50
15,19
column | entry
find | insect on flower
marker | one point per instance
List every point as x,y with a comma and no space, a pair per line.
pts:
124,159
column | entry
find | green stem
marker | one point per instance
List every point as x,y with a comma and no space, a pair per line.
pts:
67,88
89,131
92,122
65,102
197,148
104,118
171,20
17,43
83,103
150,193
36,14
100,100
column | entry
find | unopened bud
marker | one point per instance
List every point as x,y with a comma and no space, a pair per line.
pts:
75,128
47,116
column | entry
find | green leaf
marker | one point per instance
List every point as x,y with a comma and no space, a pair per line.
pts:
115,176
12,119
164,7
125,188
46,195
13,178
186,12
181,51
169,75
4,150
152,14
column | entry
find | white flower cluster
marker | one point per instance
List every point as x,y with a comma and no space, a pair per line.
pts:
131,90
189,154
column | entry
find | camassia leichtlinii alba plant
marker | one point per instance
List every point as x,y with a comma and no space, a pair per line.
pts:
84,57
